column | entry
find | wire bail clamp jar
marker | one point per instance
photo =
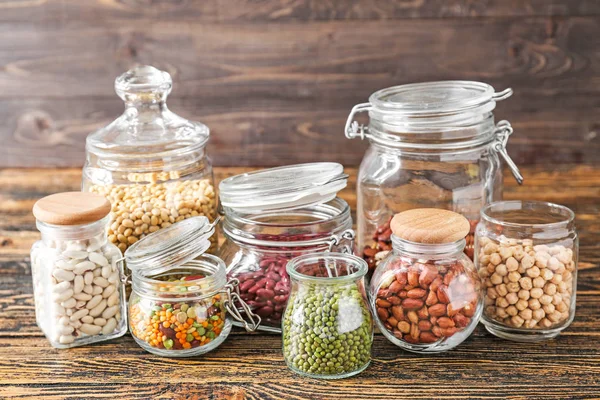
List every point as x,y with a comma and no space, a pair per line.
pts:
274,215
180,295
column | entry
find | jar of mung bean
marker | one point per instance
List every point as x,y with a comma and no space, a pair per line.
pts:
181,301
327,326
78,292
150,163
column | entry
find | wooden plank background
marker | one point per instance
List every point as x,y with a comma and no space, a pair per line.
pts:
275,80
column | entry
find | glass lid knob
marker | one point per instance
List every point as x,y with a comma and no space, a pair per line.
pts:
143,79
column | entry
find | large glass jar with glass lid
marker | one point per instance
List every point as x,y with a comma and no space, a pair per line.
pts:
181,297
430,145
274,215
426,294
150,163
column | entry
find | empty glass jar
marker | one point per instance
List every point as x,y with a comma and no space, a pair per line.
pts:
180,296
274,215
426,295
431,144
79,297
526,254
150,163
327,326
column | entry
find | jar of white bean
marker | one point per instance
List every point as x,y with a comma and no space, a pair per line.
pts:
149,163
79,295
526,255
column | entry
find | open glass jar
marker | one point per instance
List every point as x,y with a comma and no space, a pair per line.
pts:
426,295
526,254
327,326
274,215
180,296
150,163
79,297
430,145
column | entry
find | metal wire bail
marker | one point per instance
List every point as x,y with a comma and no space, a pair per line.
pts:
503,132
335,241
233,297
353,129
123,277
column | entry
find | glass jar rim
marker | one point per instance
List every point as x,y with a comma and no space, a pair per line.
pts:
339,215
427,248
556,210
360,264
143,281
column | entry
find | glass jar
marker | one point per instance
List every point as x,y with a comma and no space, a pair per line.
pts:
327,326
431,144
150,163
180,295
274,215
526,254
79,297
426,295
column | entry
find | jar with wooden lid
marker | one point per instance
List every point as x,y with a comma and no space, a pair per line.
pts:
78,292
432,144
426,295
150,163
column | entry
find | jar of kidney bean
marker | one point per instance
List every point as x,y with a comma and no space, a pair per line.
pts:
426,294
274,215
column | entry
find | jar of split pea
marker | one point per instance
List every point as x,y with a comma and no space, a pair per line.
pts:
181,301
426,294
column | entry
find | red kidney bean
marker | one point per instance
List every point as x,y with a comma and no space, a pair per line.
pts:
265,293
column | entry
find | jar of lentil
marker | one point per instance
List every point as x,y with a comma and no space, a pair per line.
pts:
274,215
150,163
181,299
78,293
327,325
426,295
431,144
526,253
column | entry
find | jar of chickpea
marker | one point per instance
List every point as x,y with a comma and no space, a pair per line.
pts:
526,255
150,163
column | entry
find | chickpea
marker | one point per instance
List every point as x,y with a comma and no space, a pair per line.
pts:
512,264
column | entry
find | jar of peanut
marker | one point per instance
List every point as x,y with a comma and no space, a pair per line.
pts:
149,163
426,295
526,255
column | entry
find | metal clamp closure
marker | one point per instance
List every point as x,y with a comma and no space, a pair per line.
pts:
353,129
232,297
123,277
503,132
335,241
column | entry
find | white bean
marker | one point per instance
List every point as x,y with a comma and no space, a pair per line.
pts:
110,312
88,319
78,284
89,289
96,311
88,277
63,296
100,281
63,275
66,339
82,296
98,258
84,266
108,291
90,329
70,303
110,326
99,321
97,290
113,299
93,302
79,314
76,254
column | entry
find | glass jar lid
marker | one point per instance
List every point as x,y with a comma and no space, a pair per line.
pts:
170,247
439,98
285,187
147,137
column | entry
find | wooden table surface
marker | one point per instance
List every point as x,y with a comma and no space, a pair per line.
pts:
251,366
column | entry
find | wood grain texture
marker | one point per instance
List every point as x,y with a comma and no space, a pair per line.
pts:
251,366
275,80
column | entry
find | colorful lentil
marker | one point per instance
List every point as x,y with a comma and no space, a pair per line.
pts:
181,324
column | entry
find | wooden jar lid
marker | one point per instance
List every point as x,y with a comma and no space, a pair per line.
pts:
430,225
71,208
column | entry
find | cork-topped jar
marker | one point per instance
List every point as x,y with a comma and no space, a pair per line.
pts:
426,294
79,297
